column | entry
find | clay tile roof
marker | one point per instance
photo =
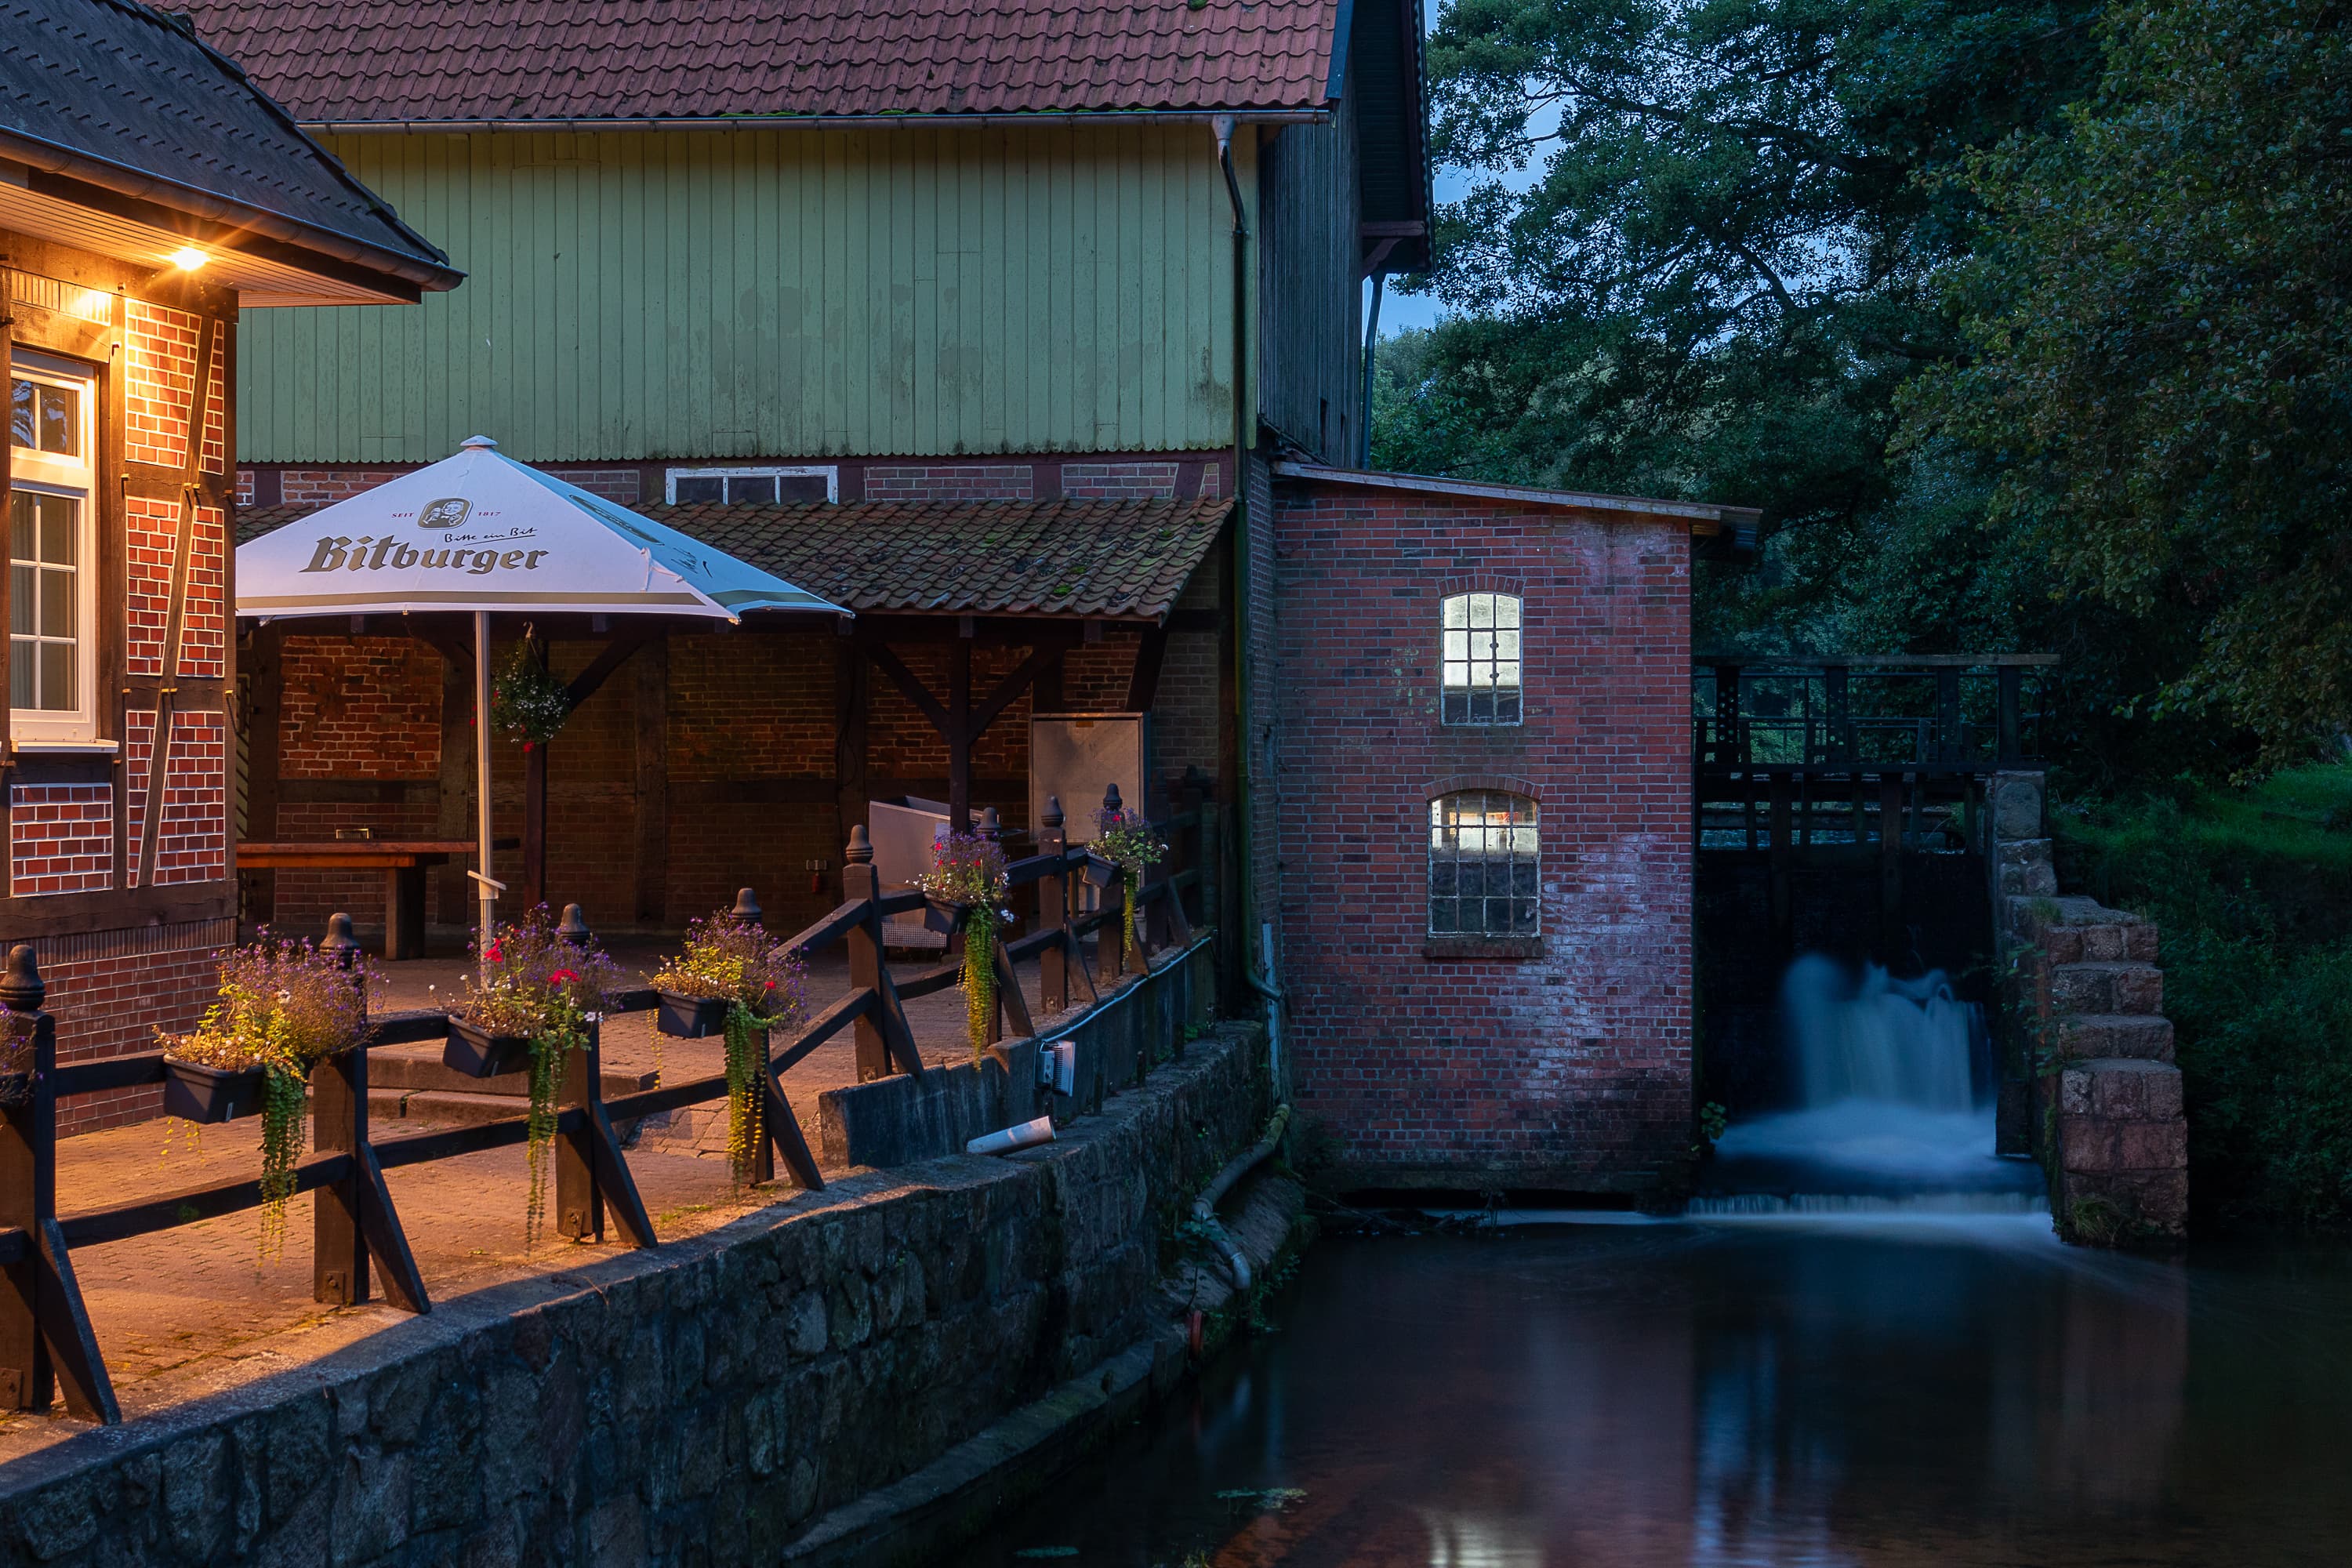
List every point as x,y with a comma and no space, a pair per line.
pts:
352,61
115,94
1105,560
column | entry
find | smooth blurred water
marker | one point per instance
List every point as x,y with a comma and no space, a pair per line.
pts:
1887,1073
1875,1389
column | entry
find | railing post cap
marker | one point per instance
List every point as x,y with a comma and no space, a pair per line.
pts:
861,849
747,907
991,827
1110,795
1053,818
339,941
21,989
574,927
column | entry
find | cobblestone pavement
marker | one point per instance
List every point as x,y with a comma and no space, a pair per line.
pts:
198,1309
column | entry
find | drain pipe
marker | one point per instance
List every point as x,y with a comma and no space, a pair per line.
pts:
1204,1207
1258,981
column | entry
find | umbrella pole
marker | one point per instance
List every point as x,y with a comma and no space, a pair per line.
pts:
482,883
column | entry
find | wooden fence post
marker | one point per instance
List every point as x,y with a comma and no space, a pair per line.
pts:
338,1112
45,1333
1110,937
991,830
864,941
1054,911
590,1173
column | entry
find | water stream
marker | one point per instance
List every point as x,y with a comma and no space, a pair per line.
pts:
1892,1109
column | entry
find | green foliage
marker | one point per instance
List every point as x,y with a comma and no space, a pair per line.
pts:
2254,891
2155,319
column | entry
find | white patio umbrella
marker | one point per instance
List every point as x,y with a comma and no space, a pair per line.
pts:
480,532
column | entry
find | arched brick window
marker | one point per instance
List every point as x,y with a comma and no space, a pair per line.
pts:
1483,865
1480,663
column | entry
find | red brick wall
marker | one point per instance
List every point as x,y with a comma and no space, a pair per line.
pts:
973,482
60,838
353,709
110,991
1571,1069
151,546
160,378
1120,481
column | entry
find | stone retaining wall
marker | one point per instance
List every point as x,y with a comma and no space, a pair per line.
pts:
700,1402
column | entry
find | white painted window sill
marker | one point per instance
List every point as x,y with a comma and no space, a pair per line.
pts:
68,748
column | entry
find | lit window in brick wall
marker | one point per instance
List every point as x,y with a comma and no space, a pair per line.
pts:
1482,865
1482,660
52,535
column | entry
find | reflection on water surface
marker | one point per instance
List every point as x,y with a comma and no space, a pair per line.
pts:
1898,1390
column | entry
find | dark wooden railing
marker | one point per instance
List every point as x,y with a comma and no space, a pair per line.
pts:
1968,714
45,1331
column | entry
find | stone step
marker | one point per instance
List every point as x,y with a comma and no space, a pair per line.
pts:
2119,987
434,1105
2120,1090
2136,1037
404,1071
2109,941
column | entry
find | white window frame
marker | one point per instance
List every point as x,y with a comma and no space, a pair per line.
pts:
45,473
830,474
1470,661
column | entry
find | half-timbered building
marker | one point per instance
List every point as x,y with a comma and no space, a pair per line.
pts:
148,195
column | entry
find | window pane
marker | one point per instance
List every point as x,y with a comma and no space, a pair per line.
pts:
60,420
1525,908
1442,918
710,487
803,490
20,524
1457,708
1482,609
1481,706
1507,645
1507,708
57,605
1457,644
24,593
1507,673
752,490
57,531
20,415
1507,611
1457,610
1441,880
23,659
57,675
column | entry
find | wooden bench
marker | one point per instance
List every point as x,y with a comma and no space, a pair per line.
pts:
402,860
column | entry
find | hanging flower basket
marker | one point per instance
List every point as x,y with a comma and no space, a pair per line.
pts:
691,1018
967,878
735,981
941,916
479,1053
195,1092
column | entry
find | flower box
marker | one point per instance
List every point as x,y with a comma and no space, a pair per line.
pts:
690,1018
941,916
478,1053
195,1092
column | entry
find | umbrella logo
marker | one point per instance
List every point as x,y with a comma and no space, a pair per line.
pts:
449,511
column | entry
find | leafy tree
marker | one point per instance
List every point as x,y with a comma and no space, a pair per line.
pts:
2156,318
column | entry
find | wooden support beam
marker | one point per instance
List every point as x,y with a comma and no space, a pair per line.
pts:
850,698
905,679
615,653
1008,691
959,732
650,840
1143,679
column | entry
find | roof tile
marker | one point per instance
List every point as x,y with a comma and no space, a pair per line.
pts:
374,60
1110,560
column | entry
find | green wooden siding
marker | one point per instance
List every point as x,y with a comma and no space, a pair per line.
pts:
785,293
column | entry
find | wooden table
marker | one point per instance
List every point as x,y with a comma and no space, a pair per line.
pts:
402,861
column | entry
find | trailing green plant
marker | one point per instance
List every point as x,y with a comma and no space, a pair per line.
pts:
968,872
764,984
280,1006
532,981
1127,842
528,698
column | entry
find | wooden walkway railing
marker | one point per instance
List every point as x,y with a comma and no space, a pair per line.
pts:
46,1339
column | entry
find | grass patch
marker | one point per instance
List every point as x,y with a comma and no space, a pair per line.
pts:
2252,889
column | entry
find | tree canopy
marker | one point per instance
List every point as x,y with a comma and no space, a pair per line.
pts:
2013,317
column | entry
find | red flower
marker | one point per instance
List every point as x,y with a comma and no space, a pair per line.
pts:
493,954
564,978
771,985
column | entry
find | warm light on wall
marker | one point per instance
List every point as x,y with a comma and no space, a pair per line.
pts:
187,258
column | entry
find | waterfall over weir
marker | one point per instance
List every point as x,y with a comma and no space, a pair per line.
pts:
1885,1074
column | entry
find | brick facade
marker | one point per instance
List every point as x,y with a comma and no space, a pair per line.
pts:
1119,482
1568,1068
60,839
750,728
971,482
161,375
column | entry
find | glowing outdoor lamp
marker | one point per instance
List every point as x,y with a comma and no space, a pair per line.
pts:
187,258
